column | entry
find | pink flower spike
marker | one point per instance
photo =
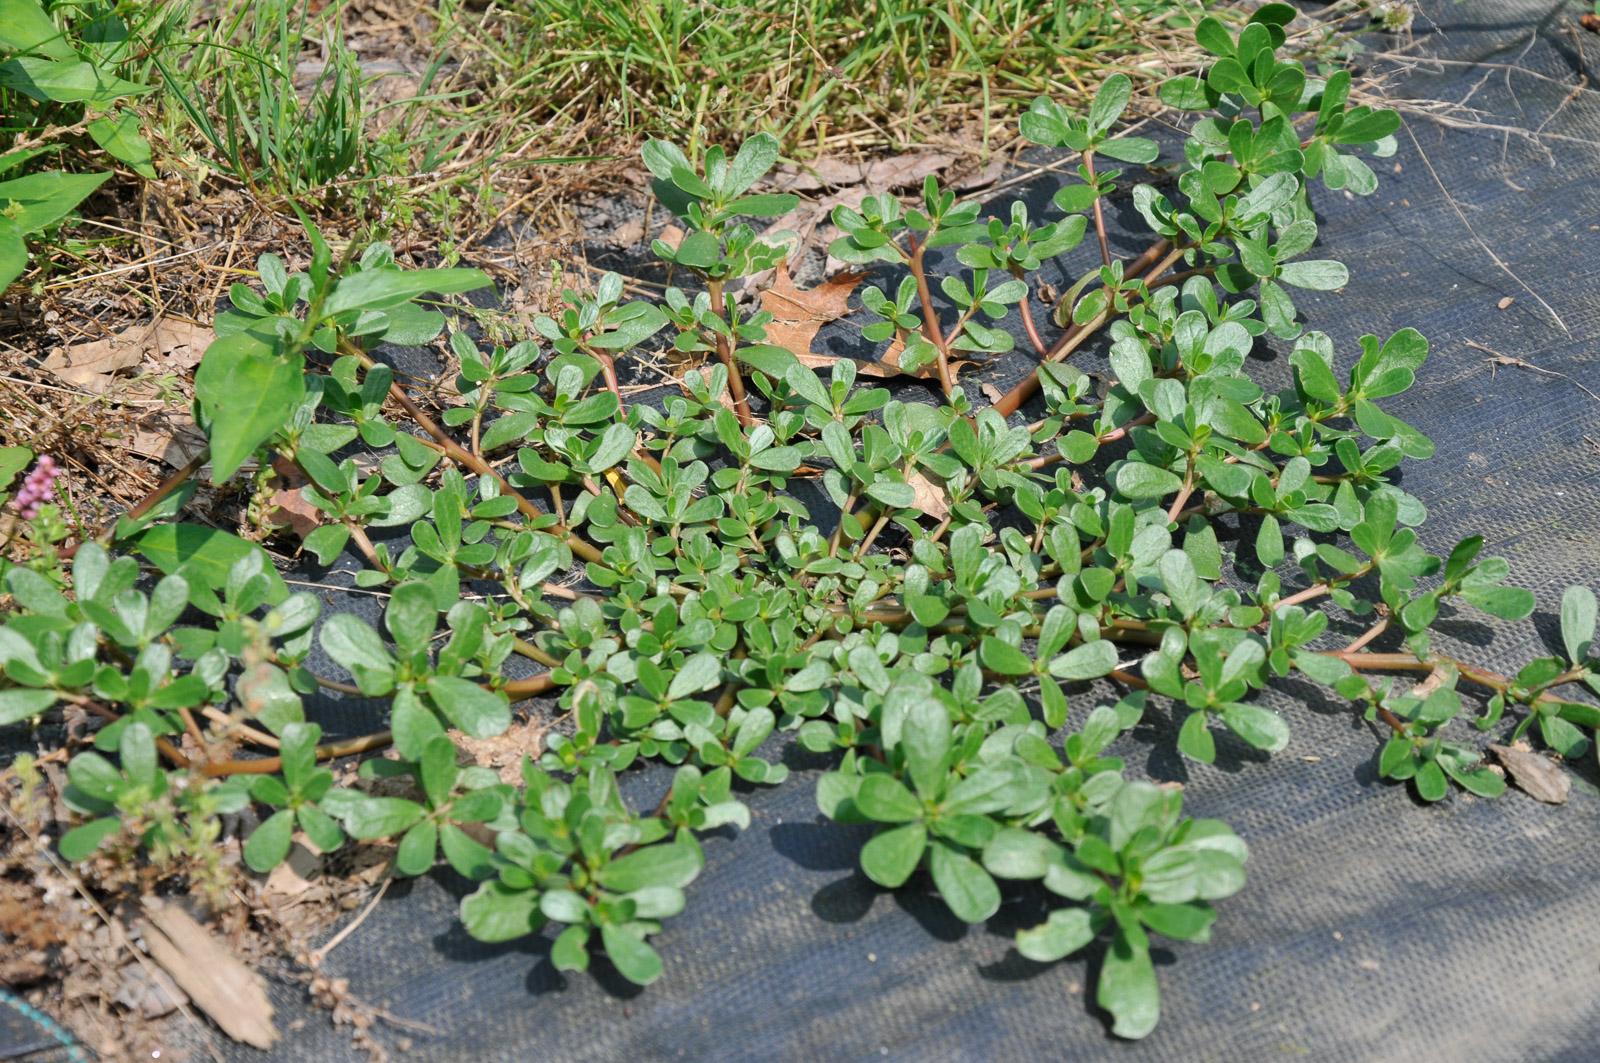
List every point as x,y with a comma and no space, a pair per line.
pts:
38,486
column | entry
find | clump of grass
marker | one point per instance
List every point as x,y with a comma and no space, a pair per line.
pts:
238,88
821,75
271,94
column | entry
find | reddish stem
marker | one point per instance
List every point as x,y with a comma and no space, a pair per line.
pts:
1099,213
930,316
1183,495
741,407
1367,636
608,369
1164,256
456,453
1027,320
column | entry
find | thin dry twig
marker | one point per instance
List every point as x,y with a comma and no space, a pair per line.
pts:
1497,359
349,928
1496,259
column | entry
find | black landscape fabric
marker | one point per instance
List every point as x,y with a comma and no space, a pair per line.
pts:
1371,927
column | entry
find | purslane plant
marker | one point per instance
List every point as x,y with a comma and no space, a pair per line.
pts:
983,569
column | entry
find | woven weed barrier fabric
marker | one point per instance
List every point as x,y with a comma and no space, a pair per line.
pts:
31,1035
1371,927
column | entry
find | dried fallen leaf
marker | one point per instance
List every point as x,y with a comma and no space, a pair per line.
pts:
169,439
875,370
903,171
504,753
90,366
206,969
931,499
984,177
1535,775
797,315
175,343
898,171
179,344
288,882
823,173
288,508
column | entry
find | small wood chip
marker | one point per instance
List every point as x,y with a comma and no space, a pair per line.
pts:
629,234
207,970
1537,776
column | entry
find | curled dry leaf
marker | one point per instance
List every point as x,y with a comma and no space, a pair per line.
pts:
287,507
288,882
168,437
